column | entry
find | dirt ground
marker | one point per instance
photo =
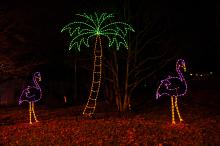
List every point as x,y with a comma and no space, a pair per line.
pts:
66,126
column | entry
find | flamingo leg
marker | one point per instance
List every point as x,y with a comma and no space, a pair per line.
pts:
177,109
172,108
30,112
34,112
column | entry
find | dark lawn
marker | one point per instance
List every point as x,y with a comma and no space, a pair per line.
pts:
65,126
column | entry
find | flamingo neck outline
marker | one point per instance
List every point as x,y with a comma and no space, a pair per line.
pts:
36,76
180,64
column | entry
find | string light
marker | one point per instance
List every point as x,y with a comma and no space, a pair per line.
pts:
174,87
83,31
201,76
32,94
177,109
172,108
97,25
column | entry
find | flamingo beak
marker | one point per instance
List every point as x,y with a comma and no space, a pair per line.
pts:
40,79
184,68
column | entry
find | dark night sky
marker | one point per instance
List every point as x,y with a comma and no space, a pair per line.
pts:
196,32
193,25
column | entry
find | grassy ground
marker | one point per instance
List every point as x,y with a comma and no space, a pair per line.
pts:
64,126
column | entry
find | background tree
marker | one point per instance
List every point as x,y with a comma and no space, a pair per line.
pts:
20,51
148,52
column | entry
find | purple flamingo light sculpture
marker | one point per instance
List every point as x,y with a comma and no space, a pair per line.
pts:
32,94
174,87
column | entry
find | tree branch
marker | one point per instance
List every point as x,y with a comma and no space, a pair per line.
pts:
138,81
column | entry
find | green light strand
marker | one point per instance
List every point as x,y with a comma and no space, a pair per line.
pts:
97,25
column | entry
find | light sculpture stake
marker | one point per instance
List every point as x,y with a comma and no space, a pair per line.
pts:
97,26
174,87
32,94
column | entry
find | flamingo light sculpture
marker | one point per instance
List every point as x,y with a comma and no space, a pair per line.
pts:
32,94
174,87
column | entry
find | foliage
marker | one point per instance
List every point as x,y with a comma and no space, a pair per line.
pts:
97,25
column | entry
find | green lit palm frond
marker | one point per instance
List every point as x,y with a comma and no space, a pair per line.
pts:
97,25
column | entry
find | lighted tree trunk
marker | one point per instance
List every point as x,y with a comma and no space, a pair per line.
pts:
97,25
96,79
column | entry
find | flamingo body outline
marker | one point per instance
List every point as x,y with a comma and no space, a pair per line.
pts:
174,87
27,95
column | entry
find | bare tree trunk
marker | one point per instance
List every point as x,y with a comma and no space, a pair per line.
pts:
118,94
126,97
138,67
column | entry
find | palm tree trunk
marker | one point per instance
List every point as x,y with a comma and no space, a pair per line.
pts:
96,79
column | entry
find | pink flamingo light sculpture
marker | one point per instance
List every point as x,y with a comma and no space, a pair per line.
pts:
32,94
174,87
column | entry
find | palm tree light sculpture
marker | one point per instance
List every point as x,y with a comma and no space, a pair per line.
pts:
174,87
32,94
96,26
